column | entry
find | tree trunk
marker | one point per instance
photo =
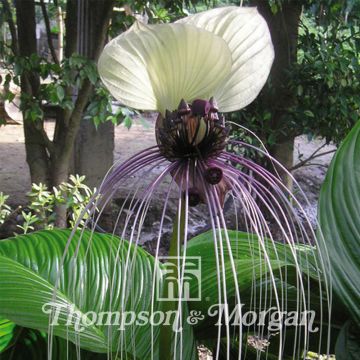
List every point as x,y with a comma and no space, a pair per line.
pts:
94,148
69,125
283,27
284,153
94,151
36,154
36,151
49,160
10,21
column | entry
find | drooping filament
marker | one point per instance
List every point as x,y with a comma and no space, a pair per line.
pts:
194,167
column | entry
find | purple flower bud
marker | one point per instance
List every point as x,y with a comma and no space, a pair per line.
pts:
213,175
194,197
200,107
183,108
214,108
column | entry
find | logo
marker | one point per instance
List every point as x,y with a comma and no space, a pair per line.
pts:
180,278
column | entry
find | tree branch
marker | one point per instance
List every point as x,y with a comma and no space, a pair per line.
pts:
350,37
71,28
68,128
48,143
48,32
313,156
69,125
10,21
315,164
80,104
98,41
103,28
36,151
317,150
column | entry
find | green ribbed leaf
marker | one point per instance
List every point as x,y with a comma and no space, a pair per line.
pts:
253,272
26,344
339,217
31,264
347,344
32,344
6,333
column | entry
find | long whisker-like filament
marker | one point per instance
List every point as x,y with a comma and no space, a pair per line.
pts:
273,238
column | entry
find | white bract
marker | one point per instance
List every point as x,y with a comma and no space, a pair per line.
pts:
226,53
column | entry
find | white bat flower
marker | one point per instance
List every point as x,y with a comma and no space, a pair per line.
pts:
225,53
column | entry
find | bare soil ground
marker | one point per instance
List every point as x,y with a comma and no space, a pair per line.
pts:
15,177
14,172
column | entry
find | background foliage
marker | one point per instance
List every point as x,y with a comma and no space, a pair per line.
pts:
322,97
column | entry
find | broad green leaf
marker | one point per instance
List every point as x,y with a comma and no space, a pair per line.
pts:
339,217
32,344
253,276
60,93
153,67
249,259
253,273
6,333
31,264
26,344
347,344
246,33
128,122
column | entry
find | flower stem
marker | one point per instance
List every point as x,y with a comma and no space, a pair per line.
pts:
166,331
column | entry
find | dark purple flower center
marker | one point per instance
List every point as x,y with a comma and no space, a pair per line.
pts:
193,131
